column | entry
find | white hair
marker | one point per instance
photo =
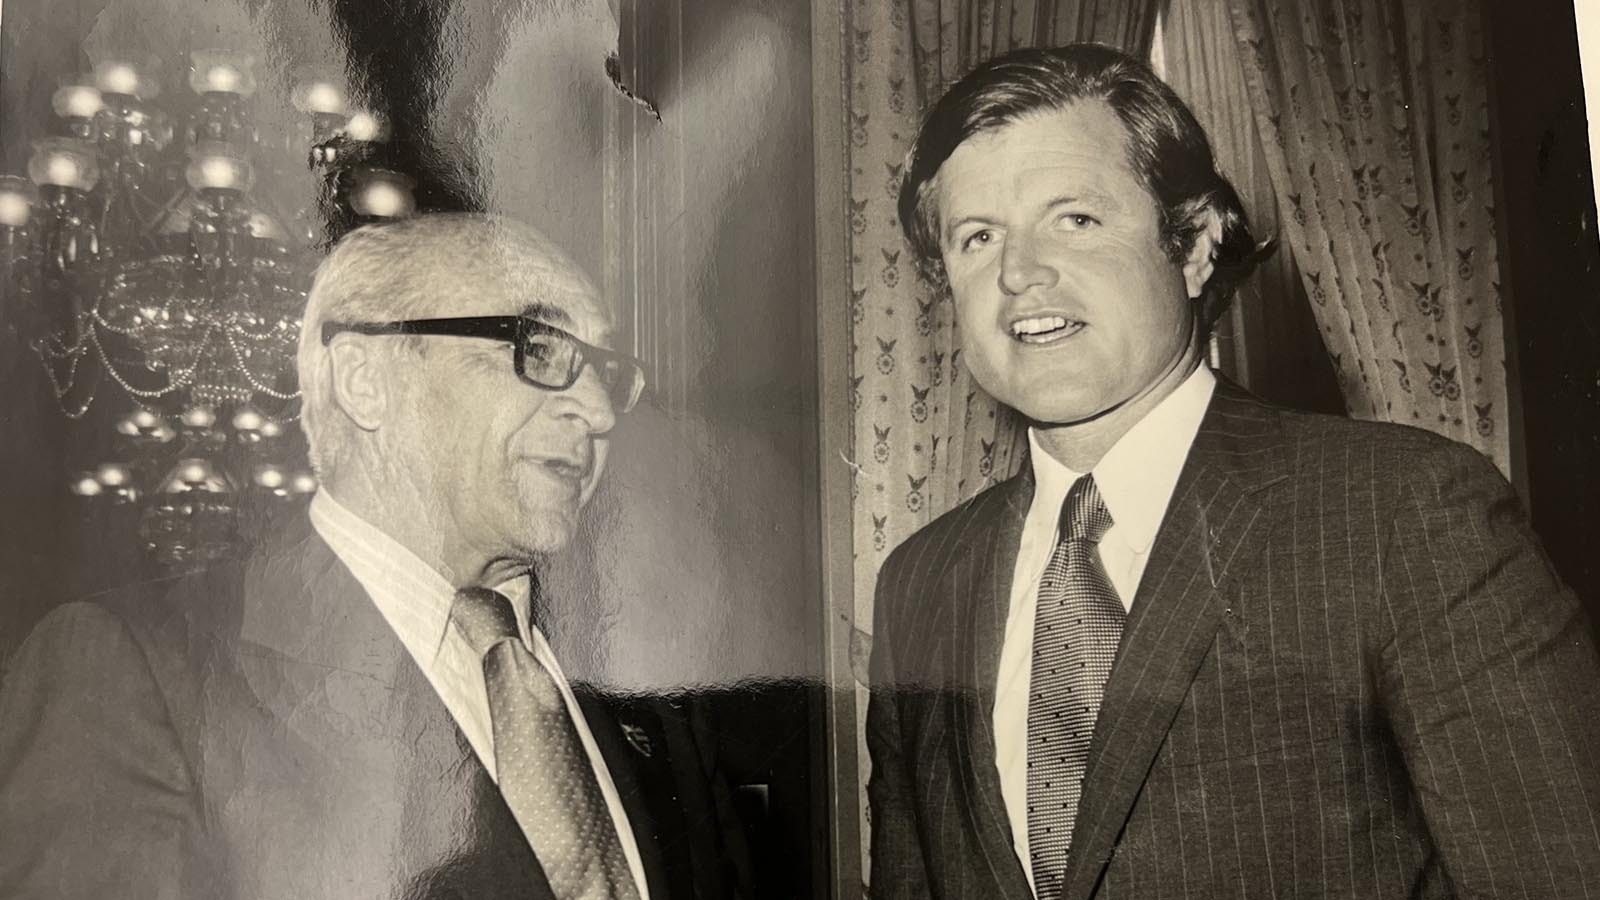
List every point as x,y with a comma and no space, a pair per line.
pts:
406,269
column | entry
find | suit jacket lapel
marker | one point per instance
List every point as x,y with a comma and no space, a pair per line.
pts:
1212,531
635,752
327,668
980,580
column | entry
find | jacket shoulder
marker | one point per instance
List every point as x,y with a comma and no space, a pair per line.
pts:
176,630
164,632
935,544
1398,451
1238,411
909,579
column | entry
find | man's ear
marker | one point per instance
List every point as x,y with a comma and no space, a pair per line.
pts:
1198,267
359,386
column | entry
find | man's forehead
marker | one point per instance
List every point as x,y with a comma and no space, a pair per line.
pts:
557,290
1084,143
1084,131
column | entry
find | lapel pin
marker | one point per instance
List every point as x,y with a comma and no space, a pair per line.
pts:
638,738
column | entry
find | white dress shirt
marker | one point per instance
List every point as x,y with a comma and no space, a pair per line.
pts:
415,600
1136,479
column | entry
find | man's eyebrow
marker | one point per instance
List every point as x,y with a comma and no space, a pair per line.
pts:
1085,196
548,313
954,225
551,314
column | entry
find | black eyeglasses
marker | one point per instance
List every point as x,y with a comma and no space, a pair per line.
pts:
546,357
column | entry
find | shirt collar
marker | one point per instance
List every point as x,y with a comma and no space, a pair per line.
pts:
413,596
1137,475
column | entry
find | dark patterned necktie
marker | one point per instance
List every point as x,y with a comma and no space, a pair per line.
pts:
1075,632
544,773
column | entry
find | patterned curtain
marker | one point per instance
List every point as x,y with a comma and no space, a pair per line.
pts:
925,436
1374,117
1199,58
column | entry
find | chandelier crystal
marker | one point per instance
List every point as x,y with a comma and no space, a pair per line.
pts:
145,255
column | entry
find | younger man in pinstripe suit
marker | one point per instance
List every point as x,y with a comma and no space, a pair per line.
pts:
1201,646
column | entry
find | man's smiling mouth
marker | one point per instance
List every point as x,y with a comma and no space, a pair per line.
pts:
1045,329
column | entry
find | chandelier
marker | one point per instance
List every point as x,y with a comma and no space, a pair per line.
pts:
145,255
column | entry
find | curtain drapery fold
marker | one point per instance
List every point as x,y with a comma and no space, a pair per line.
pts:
1201,62
1374,118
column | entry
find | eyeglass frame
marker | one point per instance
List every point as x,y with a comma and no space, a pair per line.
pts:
511,329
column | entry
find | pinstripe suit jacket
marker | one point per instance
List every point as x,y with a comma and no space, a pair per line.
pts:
1349,671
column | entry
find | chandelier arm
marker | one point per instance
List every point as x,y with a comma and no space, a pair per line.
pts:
105,212
178,197
136,200
270,200
264,203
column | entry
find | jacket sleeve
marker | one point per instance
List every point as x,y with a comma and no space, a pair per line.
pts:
898,869
1490,681
96,797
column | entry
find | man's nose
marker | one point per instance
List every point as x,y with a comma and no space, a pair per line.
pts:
589,401
1021,266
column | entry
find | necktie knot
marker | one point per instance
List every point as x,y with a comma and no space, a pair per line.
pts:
485,617
1084,516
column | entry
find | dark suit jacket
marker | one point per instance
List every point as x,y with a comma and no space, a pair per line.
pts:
1348,672
257,731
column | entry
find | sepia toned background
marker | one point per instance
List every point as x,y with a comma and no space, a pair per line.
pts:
726,169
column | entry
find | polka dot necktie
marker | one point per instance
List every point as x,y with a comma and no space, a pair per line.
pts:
1075,632
544,773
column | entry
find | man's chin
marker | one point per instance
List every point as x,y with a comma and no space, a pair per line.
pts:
1048,403
1067,417
551,532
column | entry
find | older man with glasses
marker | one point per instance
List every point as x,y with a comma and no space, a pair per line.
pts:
366,706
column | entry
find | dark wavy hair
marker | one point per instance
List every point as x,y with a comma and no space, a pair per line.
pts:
1167,149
